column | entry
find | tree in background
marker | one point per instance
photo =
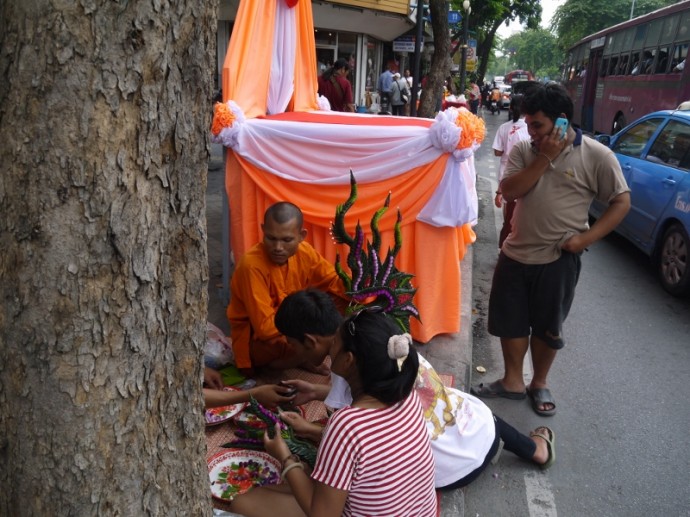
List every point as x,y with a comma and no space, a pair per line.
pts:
105,109
535,50
440,60
486,18
576,19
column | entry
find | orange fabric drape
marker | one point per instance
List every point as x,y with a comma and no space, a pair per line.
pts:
246,69
247,65
432,254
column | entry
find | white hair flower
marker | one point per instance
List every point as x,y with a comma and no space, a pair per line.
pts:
399,348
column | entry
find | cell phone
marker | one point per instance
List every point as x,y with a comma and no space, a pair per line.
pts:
293,390
562,124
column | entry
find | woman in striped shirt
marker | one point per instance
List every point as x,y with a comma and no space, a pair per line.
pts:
375,457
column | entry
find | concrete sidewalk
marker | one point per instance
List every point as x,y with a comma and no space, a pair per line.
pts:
450,354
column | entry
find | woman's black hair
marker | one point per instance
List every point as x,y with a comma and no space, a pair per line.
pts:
552,99
340,63
515,102
366,335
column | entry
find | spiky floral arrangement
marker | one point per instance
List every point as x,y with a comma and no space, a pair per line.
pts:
373,281
251,436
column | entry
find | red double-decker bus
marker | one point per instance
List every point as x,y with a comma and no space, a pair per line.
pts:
636,67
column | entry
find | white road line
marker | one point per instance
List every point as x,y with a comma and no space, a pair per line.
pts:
540,499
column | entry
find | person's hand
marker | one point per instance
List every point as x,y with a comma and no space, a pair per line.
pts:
498,200
299,424
213,379
270,395
305,391
575,244
276,446
552,144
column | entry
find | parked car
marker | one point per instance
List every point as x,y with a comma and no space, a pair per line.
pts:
654,153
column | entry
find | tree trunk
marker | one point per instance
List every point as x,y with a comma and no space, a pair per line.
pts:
484,49
104,120
432,94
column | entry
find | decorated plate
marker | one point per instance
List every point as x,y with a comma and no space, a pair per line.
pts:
247,419
218,415
236,471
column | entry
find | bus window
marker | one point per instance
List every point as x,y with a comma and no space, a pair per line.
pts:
644,64
684,28
662,61
680,52
668,33
653,33
635,139
604,67
634,63
613,65
640,33
623,64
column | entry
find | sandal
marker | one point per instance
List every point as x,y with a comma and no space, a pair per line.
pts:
550,438
495,390
541,396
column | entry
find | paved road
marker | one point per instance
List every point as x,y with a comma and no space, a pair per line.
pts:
621,386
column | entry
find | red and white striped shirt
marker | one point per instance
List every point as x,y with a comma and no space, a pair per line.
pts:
382,457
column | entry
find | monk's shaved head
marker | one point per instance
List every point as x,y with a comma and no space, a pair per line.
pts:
284,212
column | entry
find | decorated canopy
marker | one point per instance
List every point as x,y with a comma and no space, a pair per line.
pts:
283,147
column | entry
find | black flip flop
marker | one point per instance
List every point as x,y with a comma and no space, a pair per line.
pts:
541,396
496,390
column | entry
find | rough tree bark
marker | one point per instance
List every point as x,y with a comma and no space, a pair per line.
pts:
440,60
104,116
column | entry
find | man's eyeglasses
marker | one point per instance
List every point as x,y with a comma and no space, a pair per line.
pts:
373,309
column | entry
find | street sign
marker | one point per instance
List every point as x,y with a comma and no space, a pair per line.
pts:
454,17
471,49
405,44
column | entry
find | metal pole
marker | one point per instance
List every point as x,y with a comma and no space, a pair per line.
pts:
417,57
463,62
632,8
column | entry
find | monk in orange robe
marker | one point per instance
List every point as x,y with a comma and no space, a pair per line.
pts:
279,265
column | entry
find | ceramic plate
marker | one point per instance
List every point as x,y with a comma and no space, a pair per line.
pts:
218,415
235,471
252,421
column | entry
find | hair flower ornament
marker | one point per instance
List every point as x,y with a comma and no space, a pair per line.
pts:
399,348
228,119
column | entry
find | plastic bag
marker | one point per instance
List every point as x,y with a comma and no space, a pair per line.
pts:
218,349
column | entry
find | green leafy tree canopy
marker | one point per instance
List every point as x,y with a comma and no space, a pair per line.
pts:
576,19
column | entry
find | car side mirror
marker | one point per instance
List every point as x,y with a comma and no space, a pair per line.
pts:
603,139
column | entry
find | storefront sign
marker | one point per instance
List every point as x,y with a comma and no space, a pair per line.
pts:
405,44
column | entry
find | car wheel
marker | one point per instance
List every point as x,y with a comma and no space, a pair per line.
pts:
674,269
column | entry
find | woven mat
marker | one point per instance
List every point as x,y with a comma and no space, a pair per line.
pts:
313,411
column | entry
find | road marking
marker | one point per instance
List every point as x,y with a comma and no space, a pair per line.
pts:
540,499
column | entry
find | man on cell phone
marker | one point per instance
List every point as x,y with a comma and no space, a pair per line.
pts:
553,180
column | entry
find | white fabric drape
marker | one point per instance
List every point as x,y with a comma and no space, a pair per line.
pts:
323,153
281,85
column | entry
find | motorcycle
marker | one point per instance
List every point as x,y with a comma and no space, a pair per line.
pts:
494,107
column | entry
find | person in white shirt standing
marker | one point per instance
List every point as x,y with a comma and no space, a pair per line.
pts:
506,137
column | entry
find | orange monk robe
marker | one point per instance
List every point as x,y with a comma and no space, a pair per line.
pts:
258,287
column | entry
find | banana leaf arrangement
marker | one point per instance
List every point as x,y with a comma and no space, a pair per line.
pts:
251,436
374,282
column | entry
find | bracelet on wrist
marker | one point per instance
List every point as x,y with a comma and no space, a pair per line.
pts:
292,457
296,465
548,159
